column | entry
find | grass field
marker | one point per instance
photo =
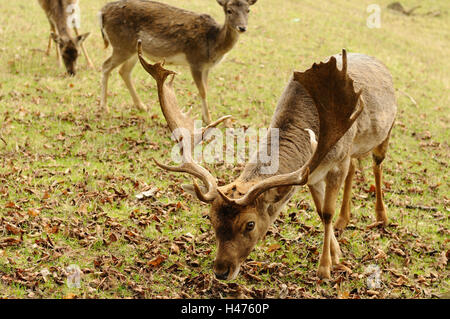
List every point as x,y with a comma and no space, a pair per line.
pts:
69,172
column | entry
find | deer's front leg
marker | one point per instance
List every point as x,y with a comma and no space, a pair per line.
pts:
331,251
49,46
318,194
50,38
83,49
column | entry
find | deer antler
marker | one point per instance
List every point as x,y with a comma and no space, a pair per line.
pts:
336,101
177,120
337,104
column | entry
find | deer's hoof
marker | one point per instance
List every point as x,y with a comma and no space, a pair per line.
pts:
324,272
142,107
336,258
340,224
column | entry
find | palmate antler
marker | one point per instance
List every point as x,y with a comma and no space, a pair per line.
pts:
177,120
338,108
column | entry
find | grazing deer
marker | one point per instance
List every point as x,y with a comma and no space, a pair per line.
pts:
319,102
175,35
67,47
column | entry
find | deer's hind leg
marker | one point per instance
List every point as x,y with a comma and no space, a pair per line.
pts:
344,215
110,64
125,73
378,156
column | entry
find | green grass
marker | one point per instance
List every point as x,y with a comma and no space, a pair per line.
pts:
81,168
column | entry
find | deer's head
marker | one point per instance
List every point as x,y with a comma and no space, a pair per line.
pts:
236,13
69,50
240,212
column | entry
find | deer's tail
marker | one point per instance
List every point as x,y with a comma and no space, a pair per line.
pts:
104,35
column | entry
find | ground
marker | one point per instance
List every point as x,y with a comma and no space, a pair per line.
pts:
70,173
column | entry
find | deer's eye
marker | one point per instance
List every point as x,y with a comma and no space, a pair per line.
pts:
229,11
250,226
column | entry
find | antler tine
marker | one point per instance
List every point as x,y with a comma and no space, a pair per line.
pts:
198,171
156,71
344,62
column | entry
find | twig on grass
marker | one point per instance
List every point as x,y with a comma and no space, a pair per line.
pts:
3,140
409,96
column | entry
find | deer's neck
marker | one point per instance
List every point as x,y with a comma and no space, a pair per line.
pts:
59,16
63,32
295,113
226,39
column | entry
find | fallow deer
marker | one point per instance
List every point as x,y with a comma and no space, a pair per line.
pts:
67,47
349,103
176,35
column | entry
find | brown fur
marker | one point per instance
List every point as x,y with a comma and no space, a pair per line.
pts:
176,35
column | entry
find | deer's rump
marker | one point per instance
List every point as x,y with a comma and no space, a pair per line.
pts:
378,93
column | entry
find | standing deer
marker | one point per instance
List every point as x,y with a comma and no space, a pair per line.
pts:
67,46
322,102
175,35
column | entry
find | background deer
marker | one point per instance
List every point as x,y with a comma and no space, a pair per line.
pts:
319,102
175,35
67,47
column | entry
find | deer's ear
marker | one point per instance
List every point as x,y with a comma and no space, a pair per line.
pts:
191,190
56,38
251,2
82,37
222,2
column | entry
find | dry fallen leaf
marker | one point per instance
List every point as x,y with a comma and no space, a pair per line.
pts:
273,248
381,254
398,251
13,229
175,249
442,260
342,268
373,292
343,294
33,212
147,194
155,262
12,205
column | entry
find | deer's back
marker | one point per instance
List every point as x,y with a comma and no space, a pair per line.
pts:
56,8
296,111
164,30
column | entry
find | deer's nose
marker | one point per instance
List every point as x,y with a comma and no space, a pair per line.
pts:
222,276
242,29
